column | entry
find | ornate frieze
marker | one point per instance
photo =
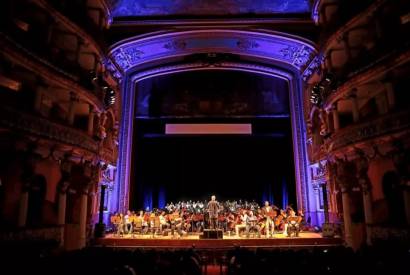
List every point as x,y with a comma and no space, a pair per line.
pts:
390,123
175,45
291,51
246,44
44,128
313,67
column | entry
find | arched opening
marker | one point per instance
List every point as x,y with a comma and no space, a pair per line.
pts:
394,198
170,167
270,54
37,194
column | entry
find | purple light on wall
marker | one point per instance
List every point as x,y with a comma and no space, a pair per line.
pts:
285,197
148,198
161,197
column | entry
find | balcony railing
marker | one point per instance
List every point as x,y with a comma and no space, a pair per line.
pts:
77,12
384,125
41,127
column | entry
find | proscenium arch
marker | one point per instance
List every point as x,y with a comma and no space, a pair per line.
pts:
133,71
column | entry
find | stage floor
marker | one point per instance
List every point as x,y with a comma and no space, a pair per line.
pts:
305,239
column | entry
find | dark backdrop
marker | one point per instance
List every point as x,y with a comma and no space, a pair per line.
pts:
171,168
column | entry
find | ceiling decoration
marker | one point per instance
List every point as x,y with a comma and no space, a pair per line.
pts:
169,8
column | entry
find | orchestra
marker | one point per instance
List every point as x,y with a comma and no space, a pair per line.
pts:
233,217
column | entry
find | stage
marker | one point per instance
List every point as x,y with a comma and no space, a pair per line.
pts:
305,239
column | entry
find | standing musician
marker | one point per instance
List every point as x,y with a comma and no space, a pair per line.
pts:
269,214
213,210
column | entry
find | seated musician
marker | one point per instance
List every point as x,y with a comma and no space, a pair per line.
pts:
269,214
120,224
142,217
128,222
241,222
198,220
252,224
293,224
230,219
176,222
163,224
116,224
280,221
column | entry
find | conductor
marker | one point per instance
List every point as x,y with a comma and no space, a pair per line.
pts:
213,209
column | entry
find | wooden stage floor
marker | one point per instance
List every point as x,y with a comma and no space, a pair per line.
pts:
305,239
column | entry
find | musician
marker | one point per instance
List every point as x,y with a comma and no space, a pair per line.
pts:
144,219
213,210
162,222
128,223
252,224
241,222
293,224
269,214
120,224
198,219
176,222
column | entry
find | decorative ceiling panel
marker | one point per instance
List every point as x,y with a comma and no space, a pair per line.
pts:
161,8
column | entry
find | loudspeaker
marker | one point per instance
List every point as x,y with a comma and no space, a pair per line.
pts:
212,234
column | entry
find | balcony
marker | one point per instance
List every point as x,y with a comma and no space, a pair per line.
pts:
44,128
20,55
368,68
348,13
367,131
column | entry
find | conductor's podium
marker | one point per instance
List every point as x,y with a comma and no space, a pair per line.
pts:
212,234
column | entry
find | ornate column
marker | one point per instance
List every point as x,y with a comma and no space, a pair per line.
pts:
91,116
366,186
335,114
325,202
344,185
23,207
71,108
62,189
401,159
83,215
26,177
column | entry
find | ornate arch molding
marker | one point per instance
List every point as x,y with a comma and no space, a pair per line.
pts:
284,50
291,59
